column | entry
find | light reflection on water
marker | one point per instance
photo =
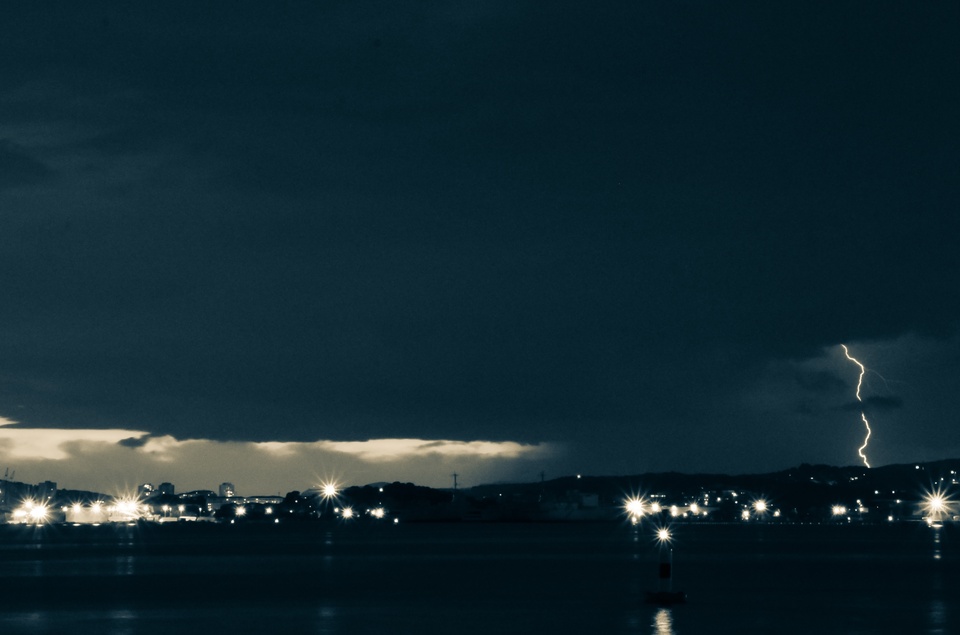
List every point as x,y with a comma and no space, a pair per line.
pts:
124,565
663,622
552,579
326,620
122,622
937,612
938,617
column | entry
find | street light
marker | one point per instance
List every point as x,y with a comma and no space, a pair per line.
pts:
329,490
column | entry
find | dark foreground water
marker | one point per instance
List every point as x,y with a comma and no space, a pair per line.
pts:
471,578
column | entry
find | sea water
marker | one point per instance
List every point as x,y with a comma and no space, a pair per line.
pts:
478,578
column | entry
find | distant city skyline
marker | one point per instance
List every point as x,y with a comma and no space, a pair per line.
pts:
804,493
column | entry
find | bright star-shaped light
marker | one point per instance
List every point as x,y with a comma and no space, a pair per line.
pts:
634,507
937,504
127,506
329,490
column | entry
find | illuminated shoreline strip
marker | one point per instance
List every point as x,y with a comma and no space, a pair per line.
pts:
866,439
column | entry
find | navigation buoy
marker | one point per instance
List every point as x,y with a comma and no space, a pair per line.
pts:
665,595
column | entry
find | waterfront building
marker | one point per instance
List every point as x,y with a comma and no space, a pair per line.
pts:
46,491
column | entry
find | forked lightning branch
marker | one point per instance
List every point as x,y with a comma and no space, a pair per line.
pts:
863,415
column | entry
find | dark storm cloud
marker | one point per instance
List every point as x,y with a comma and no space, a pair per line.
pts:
820,381
514,221
17,167
883,403
875,404
134,442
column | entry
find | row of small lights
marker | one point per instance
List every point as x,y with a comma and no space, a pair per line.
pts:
935,503
636,508
330,491
635,511
38,512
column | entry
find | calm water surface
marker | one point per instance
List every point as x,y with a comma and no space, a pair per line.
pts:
473,578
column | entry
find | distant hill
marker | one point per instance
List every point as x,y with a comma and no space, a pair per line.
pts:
799,488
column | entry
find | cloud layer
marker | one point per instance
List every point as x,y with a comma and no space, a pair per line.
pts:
106,460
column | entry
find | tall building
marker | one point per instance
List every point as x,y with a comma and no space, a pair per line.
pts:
226,490
46,491
145,490
165,488
13,492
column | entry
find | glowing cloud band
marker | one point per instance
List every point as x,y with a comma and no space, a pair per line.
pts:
104,459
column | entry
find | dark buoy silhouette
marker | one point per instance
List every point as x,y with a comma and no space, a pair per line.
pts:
665,595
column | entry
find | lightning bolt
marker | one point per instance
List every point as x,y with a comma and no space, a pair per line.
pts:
863,415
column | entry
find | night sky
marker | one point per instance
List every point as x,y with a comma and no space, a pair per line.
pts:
275,243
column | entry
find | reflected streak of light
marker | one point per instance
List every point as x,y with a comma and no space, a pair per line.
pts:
326,619
937,616
663,622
